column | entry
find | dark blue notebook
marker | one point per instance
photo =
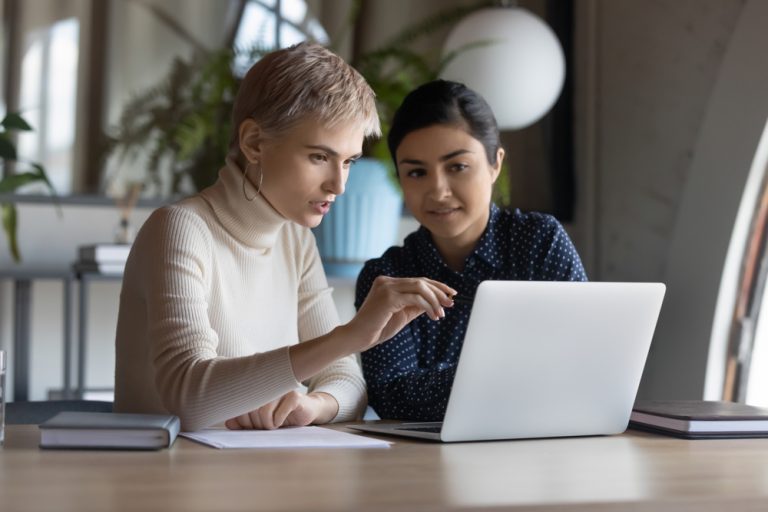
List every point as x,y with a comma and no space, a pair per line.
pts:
700,419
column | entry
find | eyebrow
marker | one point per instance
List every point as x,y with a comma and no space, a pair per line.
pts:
330,151
443,158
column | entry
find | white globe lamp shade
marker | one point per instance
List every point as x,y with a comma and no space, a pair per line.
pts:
513,60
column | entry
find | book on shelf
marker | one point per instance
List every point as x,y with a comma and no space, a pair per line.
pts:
700,419
116,268
109,430
101,253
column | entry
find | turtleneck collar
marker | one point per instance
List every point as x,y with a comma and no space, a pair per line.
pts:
253,223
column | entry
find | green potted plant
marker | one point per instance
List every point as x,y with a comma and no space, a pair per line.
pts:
183,122
11,181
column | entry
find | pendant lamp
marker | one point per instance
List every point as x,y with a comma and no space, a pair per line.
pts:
512,58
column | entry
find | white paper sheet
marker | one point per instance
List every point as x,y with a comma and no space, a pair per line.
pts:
290,437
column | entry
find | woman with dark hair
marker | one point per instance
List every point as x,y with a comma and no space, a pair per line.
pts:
445,145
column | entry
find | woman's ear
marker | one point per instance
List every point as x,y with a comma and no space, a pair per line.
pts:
496,169
251,139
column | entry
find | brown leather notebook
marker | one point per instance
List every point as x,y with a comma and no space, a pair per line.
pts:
700,419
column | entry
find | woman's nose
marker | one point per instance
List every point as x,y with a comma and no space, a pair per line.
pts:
439,186
335,184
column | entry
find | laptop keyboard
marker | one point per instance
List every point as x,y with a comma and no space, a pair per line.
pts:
434,430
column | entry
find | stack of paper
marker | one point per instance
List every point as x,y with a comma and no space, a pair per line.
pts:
290,437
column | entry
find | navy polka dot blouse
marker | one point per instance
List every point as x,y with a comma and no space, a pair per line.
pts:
410,376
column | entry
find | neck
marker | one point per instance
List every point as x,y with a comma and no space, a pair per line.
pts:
454,254
456,249
254,223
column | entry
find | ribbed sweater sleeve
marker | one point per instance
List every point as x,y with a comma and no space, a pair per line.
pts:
317,315
193,381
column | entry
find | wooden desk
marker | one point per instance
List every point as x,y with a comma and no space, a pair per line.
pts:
634,471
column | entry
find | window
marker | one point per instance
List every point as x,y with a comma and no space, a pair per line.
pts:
746,377
275,24
50,57
70,66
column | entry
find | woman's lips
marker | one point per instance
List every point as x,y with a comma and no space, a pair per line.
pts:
321,207
443,213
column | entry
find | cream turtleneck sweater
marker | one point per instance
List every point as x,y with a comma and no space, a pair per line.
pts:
215,290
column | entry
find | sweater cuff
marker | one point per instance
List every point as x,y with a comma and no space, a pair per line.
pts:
279,361
351,398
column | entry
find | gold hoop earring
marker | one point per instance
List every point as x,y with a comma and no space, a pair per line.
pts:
245,177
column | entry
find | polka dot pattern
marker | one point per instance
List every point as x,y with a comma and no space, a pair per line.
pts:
410,376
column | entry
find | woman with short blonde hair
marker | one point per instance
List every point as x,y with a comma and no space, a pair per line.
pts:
225,309
331,91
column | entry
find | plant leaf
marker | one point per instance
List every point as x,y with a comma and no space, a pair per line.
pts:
440,20
14,121
461,49
7,149
14,181
42,176
9,226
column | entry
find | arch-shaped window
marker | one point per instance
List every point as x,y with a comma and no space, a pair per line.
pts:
713,226
275,24
746,377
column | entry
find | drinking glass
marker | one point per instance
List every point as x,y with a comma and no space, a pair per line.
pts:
2,397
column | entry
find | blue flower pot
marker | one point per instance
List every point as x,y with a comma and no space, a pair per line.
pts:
362,223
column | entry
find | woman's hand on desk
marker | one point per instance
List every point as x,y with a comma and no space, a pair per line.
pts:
393,302
293,409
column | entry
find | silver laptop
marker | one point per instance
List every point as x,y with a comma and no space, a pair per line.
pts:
546,359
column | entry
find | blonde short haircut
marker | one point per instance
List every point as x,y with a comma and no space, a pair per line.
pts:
303,81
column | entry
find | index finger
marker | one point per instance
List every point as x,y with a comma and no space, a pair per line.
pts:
428,294
441,286
284,408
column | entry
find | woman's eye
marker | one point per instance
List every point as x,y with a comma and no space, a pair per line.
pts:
415,173
318,157
350,162
459,167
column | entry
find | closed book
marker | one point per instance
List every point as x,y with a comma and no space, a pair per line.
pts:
700,419
104,253
109,430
